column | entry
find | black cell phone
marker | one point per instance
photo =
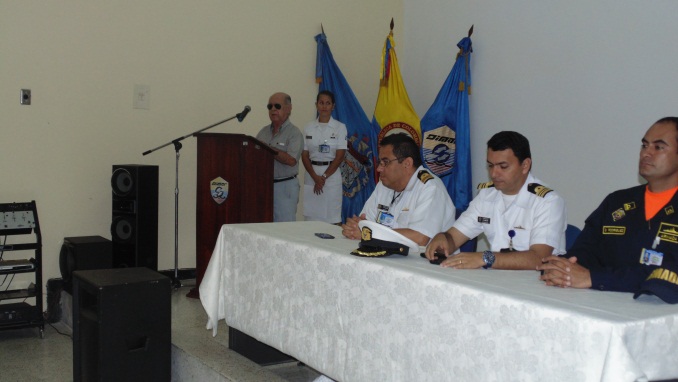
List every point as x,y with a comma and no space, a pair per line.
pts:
324,235
440,257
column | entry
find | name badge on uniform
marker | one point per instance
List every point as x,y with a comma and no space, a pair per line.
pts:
651,257
325,148
384,218
483,220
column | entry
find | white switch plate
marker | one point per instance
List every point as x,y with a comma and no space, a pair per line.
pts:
142,97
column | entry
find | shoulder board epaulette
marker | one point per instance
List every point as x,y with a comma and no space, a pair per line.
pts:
485,185
424,176
538,189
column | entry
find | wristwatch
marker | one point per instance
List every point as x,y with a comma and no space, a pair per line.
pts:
488,258
324,176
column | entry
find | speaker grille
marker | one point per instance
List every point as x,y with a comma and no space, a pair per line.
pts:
122,182
123,229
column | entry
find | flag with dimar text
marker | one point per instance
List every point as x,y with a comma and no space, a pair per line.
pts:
446,141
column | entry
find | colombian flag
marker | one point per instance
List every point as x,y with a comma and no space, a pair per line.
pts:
394,111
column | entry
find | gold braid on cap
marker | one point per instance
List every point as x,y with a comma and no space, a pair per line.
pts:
370,254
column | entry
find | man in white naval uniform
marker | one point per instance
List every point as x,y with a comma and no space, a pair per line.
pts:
523,220
408,198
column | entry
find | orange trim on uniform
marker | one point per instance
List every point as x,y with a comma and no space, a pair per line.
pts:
655,201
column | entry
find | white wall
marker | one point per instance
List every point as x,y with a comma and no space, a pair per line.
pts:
203,60
581,79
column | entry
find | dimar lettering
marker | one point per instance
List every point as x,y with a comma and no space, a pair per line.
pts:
218,183
664,274
441,138
614,230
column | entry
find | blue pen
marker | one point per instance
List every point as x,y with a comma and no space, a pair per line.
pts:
511,234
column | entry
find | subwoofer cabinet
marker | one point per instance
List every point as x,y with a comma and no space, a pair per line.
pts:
121,325
81,253
134,229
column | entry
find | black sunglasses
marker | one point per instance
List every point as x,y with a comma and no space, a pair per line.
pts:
276,105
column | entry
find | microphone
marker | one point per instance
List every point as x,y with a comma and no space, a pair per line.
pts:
243,114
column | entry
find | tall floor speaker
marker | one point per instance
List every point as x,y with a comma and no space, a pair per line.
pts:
121,325
134,230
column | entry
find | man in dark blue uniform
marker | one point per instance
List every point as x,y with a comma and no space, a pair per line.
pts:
634,231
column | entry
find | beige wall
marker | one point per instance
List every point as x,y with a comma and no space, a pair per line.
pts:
203,61
583,80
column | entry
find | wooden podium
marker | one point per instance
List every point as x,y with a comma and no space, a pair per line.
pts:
234,185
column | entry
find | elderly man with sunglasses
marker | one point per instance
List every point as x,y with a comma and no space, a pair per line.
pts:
408,198
287,142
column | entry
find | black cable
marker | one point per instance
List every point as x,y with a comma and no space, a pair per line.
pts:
10,281
2,252
57,330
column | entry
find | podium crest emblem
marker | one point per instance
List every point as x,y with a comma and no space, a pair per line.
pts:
219,190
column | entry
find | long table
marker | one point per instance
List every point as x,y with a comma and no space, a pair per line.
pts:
400,318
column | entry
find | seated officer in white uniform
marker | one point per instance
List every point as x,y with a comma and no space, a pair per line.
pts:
523,220
408,198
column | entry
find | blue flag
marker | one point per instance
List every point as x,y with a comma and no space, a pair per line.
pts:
446,142
357,170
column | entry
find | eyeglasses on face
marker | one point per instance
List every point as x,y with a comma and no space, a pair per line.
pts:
274,105
384,162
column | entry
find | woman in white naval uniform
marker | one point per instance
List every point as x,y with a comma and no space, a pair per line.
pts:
324,150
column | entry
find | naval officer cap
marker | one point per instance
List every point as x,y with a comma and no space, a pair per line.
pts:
378,241
663,283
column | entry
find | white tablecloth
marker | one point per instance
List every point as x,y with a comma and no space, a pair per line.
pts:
403,319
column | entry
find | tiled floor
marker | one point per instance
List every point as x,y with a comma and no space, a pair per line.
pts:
196,355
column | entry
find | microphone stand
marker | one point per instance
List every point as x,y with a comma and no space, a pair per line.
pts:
176,283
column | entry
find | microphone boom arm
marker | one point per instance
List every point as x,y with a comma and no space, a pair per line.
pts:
176,283
174,141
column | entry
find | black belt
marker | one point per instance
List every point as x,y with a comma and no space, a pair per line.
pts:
284,179
320,163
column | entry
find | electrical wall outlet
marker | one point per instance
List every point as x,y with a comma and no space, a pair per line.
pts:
25,97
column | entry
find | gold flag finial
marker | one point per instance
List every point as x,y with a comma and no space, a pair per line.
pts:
391,24
470,31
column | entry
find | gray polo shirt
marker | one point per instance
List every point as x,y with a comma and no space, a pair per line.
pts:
290,140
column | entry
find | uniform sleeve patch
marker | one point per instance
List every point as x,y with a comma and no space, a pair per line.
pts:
538,189
485,185
424,176
614,230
